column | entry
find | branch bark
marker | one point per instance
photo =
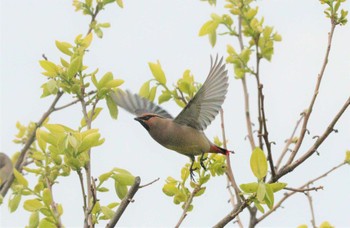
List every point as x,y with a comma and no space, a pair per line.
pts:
125,202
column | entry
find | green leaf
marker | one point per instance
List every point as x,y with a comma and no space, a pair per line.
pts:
119,170
212,38
112,107
103,177
347,157
14,202
165,96
157,72
102,189
326,224
258,163
96,113
120,3
261,192
269,197
50,67
114,83
277,186
207,28
152,93
185,173
89,141
47,199
170,189
250,187
107,212
201,191
74,66
259,207
64,47
120,189
32,205
34,220
124,179
144,90
105,79
19,177
45,223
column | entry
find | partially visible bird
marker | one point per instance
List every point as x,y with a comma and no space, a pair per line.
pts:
184,133
6,169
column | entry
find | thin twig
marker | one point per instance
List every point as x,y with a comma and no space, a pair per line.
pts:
148,184
304,190
313,220
29,142
74,102
289,141
229,172
315,146
53,204
125,202
187,206
304,186
316,91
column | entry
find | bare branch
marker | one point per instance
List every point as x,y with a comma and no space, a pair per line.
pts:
145,185
315,146
309,198
304,187
289,141
304,190
187,205
316,91
125,202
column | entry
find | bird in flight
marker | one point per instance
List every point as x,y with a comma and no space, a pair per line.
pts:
184,133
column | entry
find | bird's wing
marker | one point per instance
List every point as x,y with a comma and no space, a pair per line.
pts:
137,105
205,105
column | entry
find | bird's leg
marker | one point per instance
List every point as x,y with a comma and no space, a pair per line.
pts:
201,160
191,169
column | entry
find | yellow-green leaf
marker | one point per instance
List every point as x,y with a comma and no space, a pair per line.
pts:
105,79
261,192
74,66
105,176
165,96
107,212
277,186
64,47
120,189
326,224
47,196
258,163
249,188
96,113
170,189
269,197
157,72
114,83
87,40
124,179
49,66
19,177
112,107
45,223
14,202
152,93
347,157
32,205
144,90
34,220
120,3
89,141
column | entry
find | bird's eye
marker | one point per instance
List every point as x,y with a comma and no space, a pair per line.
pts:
147,117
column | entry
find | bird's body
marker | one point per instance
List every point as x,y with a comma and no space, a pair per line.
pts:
183,134
5,169
175,136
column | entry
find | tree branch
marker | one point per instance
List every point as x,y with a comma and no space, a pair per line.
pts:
316,91
29,142
315,146
313,220
125,202
187,205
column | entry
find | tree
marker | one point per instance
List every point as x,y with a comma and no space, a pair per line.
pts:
66,76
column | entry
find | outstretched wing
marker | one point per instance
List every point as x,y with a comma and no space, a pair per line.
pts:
137,105
205,105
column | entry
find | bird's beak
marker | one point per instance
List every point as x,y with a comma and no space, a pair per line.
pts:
141,121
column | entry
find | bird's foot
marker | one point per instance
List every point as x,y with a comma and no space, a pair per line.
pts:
201,161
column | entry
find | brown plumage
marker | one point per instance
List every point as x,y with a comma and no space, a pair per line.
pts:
183,134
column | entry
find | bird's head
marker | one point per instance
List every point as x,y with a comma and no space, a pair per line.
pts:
147,120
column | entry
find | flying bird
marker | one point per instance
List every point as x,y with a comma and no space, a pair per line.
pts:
184,133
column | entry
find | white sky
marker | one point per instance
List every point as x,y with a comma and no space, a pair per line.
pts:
145,31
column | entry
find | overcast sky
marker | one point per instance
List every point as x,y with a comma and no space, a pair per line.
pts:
167,31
